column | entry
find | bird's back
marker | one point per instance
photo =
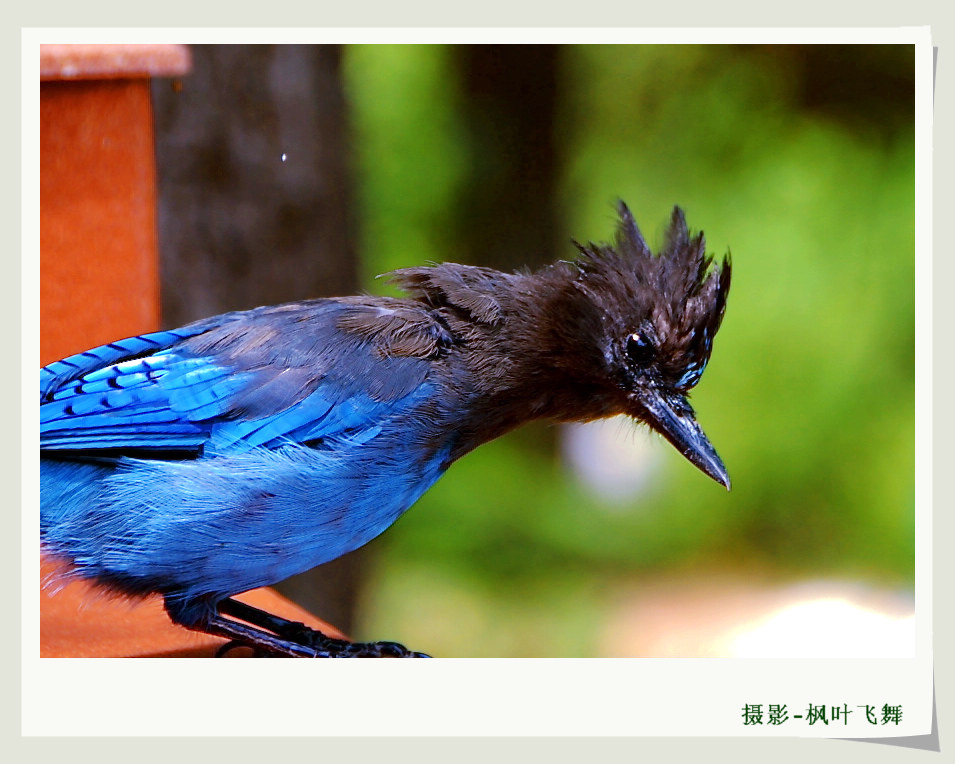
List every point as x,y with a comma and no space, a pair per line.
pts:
237,451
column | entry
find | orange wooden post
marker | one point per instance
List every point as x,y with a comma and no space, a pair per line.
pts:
99,263
99,281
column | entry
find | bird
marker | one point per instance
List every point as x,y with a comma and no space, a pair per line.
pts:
202,462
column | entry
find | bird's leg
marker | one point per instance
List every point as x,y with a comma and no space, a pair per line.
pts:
300,635
280,637
260,641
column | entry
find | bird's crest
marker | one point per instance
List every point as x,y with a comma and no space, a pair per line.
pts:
676,295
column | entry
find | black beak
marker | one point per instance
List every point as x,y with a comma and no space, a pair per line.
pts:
672,416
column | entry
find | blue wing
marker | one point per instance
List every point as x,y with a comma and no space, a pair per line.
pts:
259,378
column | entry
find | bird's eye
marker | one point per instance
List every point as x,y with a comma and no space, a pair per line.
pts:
639,349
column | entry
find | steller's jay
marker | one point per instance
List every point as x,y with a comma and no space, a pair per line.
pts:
202,462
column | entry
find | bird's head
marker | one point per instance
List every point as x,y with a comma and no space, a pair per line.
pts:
656,317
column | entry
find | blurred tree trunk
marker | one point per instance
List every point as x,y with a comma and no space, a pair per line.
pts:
255,208
868,88
506,217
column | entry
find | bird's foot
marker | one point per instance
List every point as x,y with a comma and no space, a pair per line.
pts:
278,637
328,647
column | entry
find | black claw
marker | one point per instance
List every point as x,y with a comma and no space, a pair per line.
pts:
229,647
235,644
276,637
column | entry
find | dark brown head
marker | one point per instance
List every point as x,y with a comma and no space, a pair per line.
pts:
621,330
650,321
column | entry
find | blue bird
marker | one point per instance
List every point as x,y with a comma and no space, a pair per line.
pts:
232,453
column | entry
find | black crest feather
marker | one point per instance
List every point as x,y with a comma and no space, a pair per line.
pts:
679,291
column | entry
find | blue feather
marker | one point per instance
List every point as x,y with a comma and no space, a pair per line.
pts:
317,440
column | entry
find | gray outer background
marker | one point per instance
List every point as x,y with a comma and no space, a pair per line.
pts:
597,13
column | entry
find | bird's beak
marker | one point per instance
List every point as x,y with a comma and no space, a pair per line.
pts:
671,415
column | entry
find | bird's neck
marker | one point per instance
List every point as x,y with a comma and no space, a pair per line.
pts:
532,364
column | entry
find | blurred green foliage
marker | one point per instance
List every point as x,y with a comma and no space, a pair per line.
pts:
809,397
